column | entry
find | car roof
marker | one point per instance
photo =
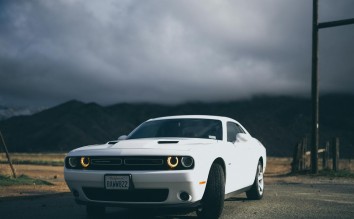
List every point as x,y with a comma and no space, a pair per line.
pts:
222,118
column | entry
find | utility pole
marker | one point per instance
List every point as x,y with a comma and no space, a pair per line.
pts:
314,90
314,87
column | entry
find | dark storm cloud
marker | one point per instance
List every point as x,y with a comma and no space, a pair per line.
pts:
167,51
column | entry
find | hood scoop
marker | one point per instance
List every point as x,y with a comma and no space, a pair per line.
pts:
112,142
167,142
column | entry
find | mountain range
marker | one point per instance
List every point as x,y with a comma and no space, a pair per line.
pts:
8,112
278,122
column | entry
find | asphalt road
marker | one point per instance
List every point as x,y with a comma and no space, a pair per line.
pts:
280,201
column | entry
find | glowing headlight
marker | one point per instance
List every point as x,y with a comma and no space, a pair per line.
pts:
172,162
187,162
73,162
85,161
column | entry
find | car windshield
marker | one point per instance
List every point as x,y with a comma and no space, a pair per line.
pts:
182,128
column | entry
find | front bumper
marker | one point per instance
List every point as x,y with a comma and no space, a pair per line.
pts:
175,182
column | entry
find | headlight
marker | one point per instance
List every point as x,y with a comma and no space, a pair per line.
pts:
172,162
187,162
72,162
180,162
85,162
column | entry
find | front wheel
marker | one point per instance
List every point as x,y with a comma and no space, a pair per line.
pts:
213,199
257,189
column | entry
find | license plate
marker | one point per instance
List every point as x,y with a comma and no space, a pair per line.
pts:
117,182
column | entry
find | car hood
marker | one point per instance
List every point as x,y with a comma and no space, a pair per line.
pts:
151,146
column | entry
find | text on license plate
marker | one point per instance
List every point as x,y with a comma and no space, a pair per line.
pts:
116,182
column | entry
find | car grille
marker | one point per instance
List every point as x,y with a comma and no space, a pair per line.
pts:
136,195
128,163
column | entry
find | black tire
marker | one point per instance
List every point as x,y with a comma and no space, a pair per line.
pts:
257,189
213,199
94,212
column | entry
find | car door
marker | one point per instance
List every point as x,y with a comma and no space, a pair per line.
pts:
241,159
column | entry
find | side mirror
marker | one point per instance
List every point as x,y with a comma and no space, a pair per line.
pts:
122,137
242,137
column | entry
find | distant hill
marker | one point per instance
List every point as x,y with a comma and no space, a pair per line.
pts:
278,122
8,112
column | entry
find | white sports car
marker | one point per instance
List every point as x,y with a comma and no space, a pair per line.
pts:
188,162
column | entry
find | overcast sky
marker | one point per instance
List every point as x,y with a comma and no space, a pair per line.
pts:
168,51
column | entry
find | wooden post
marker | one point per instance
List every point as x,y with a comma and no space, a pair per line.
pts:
303,151
335,154
296,159
8,156
325,156
302,156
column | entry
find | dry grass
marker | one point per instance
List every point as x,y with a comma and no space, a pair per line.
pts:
52,174
277,172
35,158
344,164
275,165
282,165
279,169
278,165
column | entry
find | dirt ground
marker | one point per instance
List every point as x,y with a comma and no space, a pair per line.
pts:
276,172
52,174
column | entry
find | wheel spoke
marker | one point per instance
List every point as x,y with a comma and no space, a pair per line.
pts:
260,185
260,188
260,179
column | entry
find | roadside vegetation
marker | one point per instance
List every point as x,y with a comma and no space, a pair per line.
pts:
39,168
334,174
21,180
40,173
327,173
46,159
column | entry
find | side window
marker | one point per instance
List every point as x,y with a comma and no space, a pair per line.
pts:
240,129
232,130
